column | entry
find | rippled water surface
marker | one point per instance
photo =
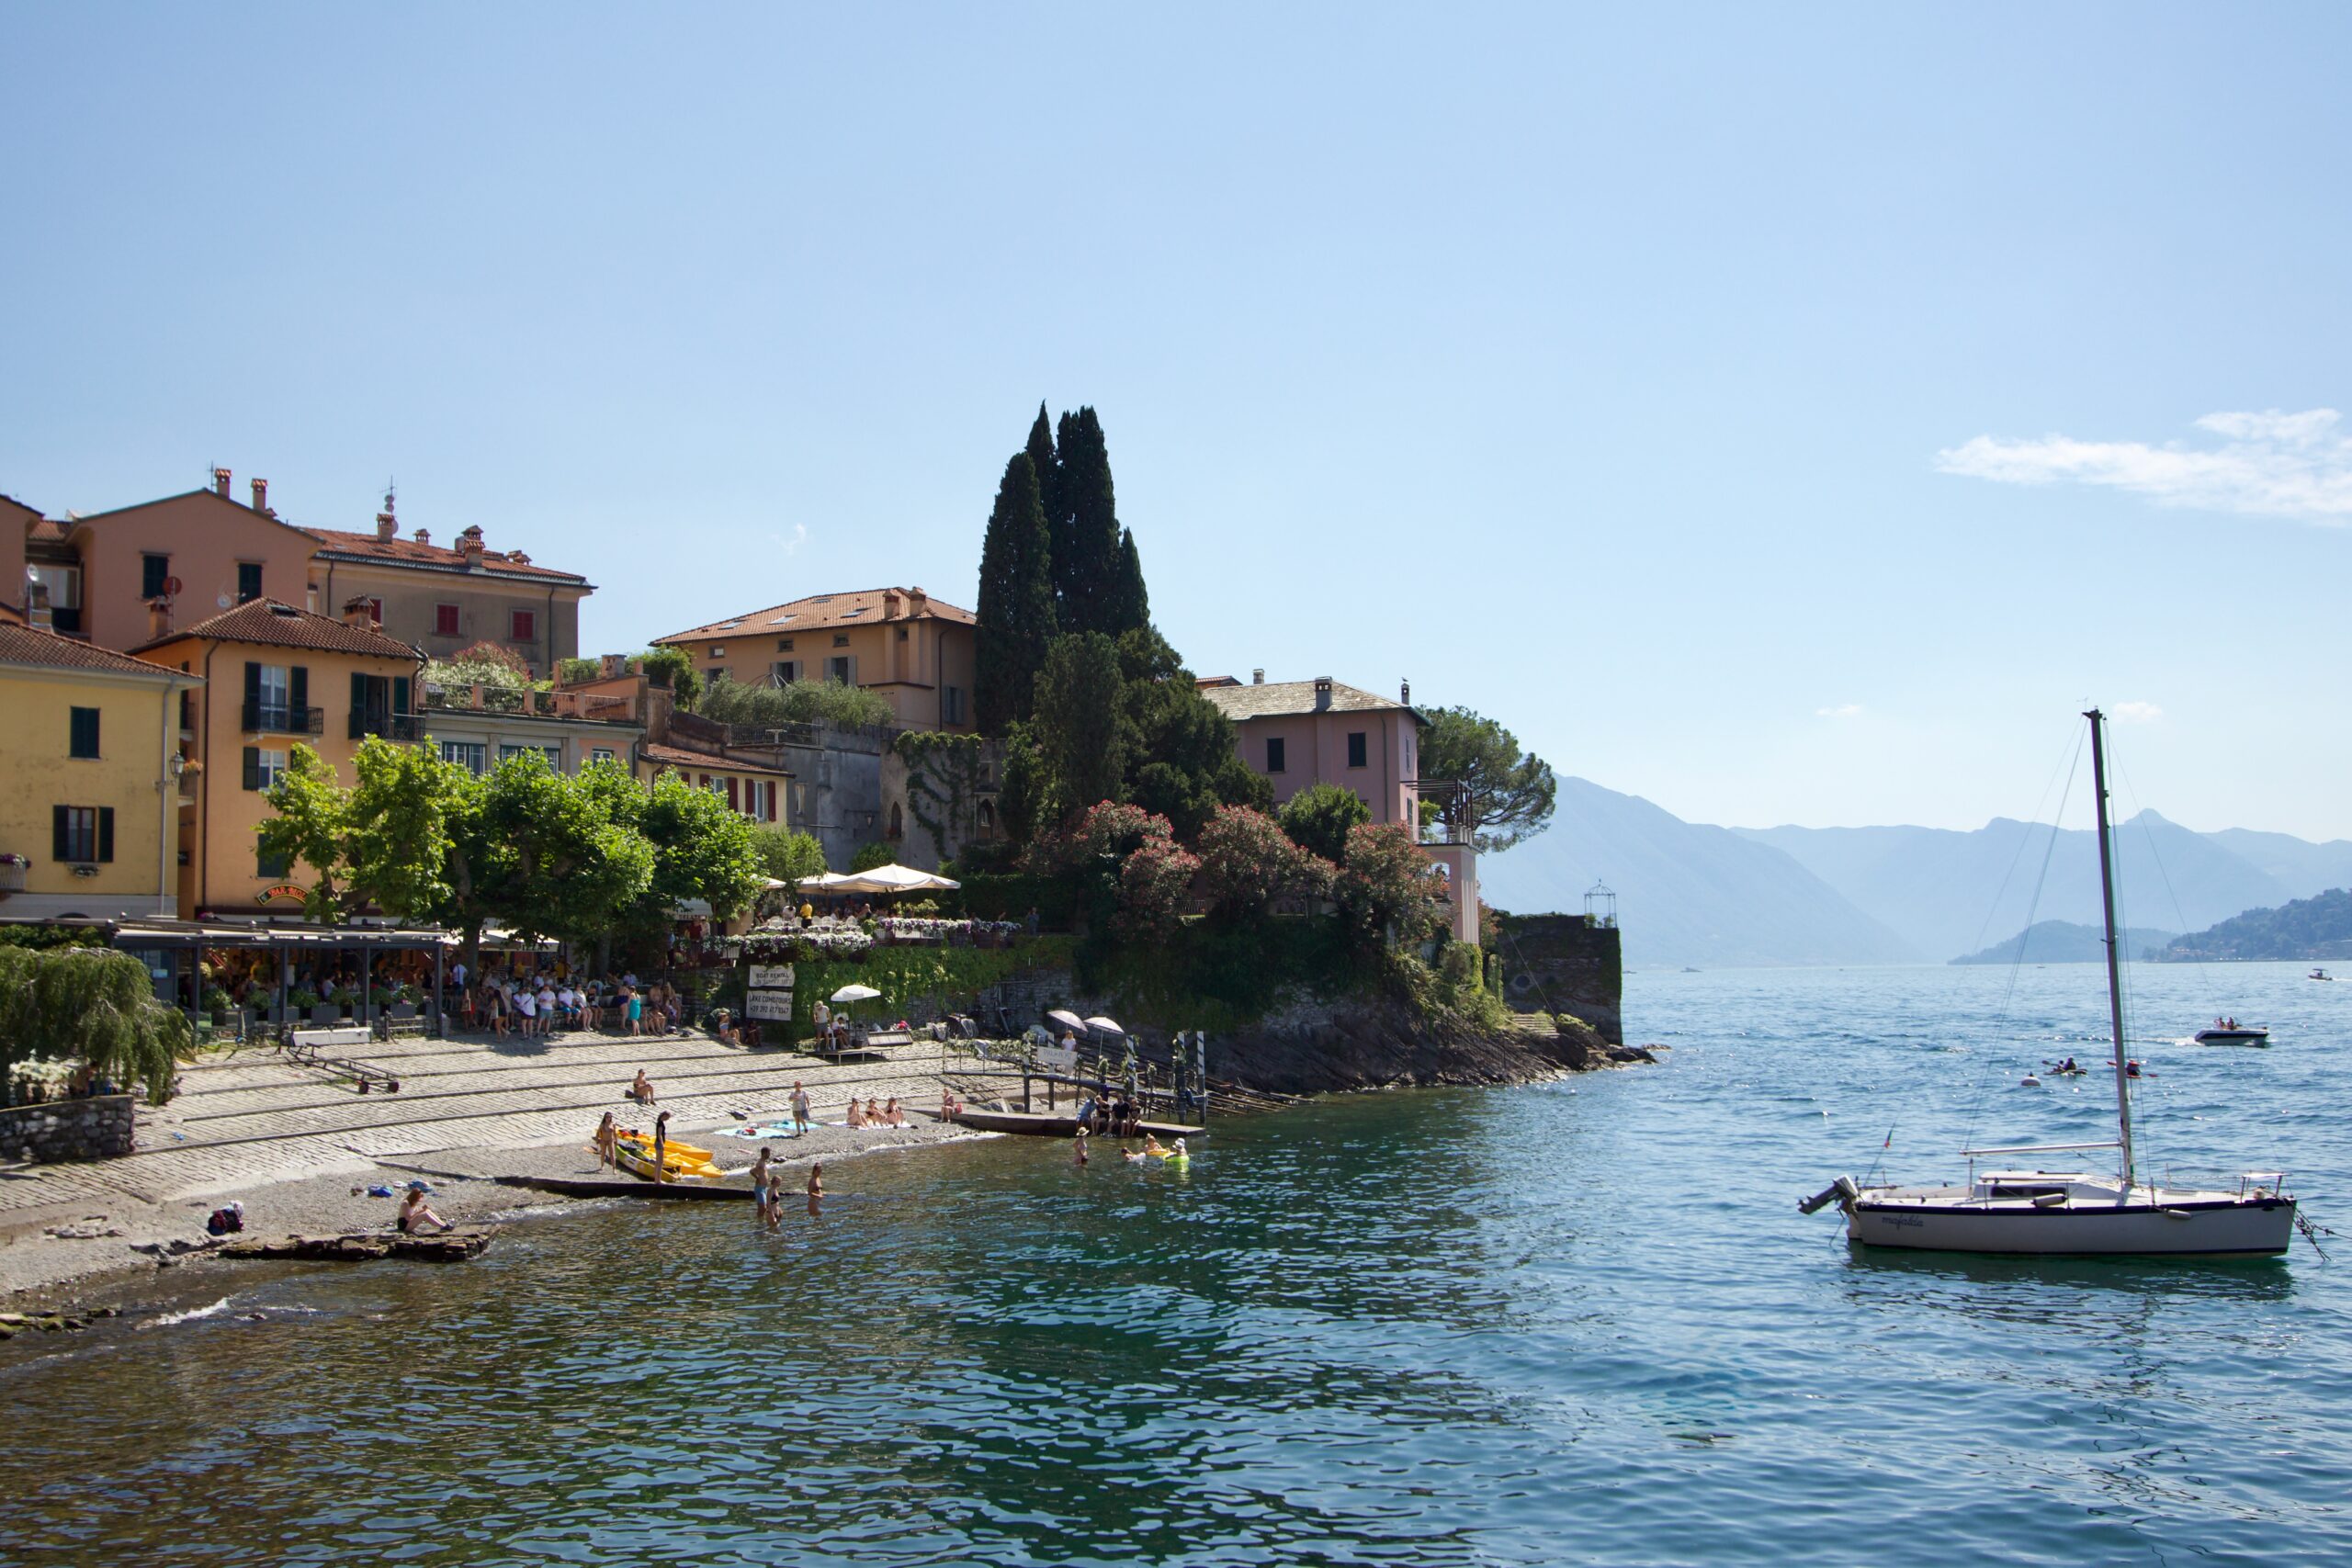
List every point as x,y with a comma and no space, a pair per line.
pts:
1572,1322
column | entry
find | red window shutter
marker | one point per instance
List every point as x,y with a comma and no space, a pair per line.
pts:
732,805
445,620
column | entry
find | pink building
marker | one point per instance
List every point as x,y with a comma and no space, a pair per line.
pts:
1299,733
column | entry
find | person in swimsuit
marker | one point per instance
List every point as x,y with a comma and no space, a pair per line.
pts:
1080,1142
856,1117
608,1142
799,1110
642,1090
816,1187
415,1214
761,1177
661,1139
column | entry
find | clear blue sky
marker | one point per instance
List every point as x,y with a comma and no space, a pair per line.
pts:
1621,373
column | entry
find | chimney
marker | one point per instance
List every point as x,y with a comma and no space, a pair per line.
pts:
36,614
1257,677
424,536
469,545
1322,692
889,603
917,602
159,617
613,666
356,612
1404,694
516,558
260,496
387,525
220,483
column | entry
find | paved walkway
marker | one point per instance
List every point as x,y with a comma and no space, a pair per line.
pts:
255,1116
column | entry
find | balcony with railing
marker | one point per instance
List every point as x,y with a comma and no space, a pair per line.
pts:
530,702
390,725
279,719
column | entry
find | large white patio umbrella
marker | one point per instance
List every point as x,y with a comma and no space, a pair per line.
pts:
890,879
855,993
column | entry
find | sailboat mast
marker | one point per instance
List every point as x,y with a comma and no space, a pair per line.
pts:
2114,966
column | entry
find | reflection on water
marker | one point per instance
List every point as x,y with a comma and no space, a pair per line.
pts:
1574,1322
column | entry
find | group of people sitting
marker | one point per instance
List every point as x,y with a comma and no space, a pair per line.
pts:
891,1115
1117,1117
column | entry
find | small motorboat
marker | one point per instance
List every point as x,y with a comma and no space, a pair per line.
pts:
2230,1032
2320,975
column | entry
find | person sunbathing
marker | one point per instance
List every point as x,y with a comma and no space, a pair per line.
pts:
873,1114
642,1090
891,1115
415,1214
856,1117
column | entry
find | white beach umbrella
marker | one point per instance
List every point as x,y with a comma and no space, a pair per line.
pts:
1107,1025
885,879
855,993
1067,1019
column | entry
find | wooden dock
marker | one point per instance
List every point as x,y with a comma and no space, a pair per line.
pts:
1038,1124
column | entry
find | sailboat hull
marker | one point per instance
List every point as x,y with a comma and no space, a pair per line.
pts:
2228,1228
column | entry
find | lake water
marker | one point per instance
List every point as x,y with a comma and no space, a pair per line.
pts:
1578,1322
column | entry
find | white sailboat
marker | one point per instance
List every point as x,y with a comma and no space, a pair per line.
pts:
2029,1209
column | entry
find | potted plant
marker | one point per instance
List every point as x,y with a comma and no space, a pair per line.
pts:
216,1003
404,1001
12,873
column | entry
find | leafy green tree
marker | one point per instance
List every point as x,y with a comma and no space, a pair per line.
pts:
1048,467
786,853
1319,818
869,855
703,848
1020,802
89,1005
400,814
1178,747
550,853
572,672
1503,796
310,826
1016,613
1079,733
483,664
1130,604
673,666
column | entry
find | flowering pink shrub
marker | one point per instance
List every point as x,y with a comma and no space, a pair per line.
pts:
1246,862
1107,828
1154,886
1388,883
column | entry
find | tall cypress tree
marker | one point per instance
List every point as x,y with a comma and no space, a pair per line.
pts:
1086,547
1048,466
1016,612
1129,605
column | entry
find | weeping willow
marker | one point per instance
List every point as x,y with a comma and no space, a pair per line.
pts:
89,1005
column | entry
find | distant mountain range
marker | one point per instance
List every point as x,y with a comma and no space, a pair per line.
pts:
1690,894
2308,928
2064,941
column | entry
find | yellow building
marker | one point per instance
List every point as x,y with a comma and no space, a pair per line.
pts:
89,817
273,676
917,652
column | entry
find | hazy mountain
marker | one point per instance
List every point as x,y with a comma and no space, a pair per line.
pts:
2299,866
1947,892
2308,928
2064,941
1685,894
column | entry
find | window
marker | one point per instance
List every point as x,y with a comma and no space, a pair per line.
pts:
759,799
951,707
719,651
523,626
902,634
1274,753
445,621
270,867
471,755
263,766
187,711
837,669
277,699
783,645
154,572
82,727
786,671
64,585
841,639
601,754
1356,748
248,580
84,834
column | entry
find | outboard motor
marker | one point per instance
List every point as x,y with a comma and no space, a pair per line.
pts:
1841,1192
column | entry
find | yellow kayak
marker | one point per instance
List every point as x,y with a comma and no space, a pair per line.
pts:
675,1147
636,1157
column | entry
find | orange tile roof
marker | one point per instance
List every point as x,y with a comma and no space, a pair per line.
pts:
679,757
30,645
430,558
273,625
821,612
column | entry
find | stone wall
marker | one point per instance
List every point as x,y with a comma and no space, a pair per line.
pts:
1562,963
98,1128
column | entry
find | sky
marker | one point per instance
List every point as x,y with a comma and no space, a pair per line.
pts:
1788,414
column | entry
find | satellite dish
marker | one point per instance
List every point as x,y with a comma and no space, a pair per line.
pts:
222,600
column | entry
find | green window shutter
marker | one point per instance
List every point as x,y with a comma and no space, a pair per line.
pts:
252,767
106,833
82,732
58,831
252,684
399,695
299,690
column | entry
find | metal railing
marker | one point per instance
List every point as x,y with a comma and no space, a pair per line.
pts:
276,718
390,725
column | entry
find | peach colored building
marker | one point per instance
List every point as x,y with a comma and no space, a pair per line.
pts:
206,552
914,650
1298,733
274,675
